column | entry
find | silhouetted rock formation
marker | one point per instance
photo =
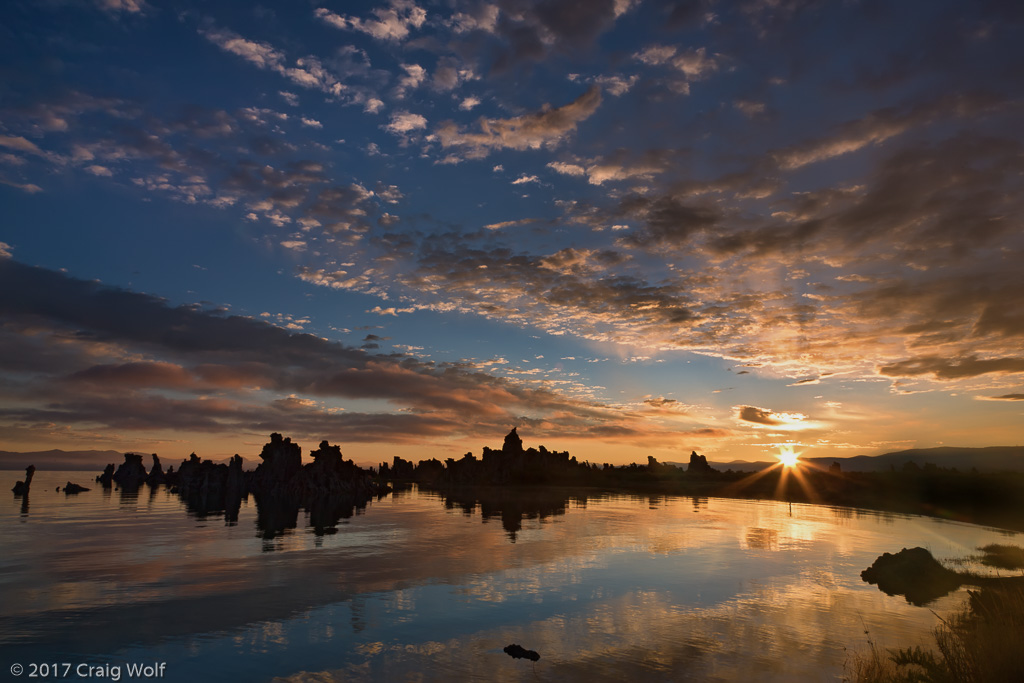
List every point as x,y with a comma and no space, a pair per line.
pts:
21,488
515,465
132,473
156,473
71,488
330,488
107,478
282,460
519,652
208,487
699,464
513,444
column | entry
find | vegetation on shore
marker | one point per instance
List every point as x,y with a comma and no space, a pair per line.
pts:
979,644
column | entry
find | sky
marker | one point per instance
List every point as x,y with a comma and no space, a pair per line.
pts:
629,228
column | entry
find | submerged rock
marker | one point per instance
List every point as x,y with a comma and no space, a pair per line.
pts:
519,652
71,488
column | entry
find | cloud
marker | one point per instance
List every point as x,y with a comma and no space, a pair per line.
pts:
656,54
529,32
618,166
694,64
388,23
750,108
469,102
566,168
546,128
523,179
764,418
403,122
1004,397
307,72
413,78
953,368
116,6
97,170
311,123
760,416
20,144
509,224
106,357
883,124
30,188
5,250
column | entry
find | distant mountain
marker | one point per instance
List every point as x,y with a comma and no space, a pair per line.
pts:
86,461
57,459
991,459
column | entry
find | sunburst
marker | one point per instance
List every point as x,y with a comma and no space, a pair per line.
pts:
788,457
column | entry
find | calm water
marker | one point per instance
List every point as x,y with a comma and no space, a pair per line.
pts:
413,588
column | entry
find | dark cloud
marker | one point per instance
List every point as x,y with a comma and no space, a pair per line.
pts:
759,416
668,221
210,354
529,31
1006,397
952,368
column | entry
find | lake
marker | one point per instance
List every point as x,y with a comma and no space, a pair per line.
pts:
417,586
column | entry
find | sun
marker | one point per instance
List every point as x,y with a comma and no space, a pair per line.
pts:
788,457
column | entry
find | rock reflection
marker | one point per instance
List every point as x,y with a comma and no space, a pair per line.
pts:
918,577
511,505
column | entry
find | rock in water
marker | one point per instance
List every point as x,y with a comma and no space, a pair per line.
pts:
912,573
132,473
21,488
71,488
519,652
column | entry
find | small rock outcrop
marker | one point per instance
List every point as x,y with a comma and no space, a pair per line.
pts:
72,488
519,652
21,488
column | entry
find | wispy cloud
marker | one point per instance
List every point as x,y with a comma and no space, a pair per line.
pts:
391,23
546,128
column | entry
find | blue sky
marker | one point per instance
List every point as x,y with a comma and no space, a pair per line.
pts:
629,228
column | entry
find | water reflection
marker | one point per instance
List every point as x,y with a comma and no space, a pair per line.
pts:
430,585
511,505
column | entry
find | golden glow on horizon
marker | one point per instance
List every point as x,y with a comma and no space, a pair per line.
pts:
788,457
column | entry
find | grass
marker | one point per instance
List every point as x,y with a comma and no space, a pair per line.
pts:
1003,556
979,644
